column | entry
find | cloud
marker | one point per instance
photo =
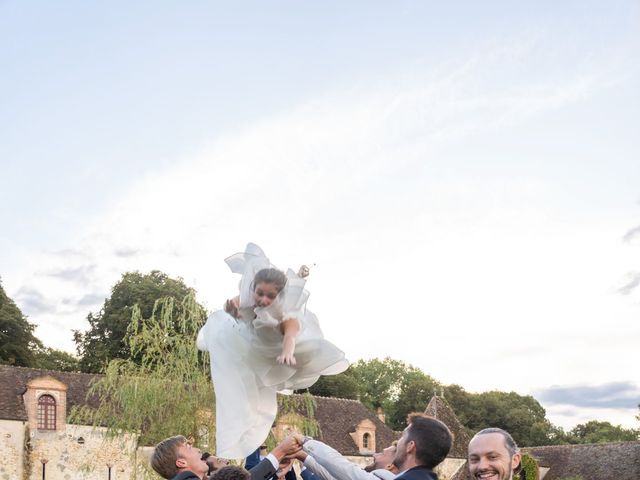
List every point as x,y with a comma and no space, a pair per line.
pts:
125,252
609,395
631,281
33,302
632,235
68,253
86,300
81,274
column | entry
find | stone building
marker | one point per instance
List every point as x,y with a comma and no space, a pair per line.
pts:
37,442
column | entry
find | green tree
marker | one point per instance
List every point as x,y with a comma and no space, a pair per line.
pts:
522,416
394,386
600,432
17,341
105,339
343,385
52,359
379,381
167,390
415,391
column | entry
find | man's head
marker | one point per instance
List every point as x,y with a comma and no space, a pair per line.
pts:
493,455
214,463
231,472
383,460
426,441
174,455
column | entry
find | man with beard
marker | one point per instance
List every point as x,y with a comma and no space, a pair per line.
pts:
424,444
328,464
493,455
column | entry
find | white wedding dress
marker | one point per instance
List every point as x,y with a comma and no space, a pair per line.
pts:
246,376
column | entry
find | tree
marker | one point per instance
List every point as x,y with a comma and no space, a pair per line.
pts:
343,385
415,391
601,432
52,359
167,389
379,381
522,416
17,341
105,339
392,385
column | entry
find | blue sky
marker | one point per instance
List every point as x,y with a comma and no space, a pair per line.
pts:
462,175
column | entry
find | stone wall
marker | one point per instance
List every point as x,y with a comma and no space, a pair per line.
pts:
11,449
80,452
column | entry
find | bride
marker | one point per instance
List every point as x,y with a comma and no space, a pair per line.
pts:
264,341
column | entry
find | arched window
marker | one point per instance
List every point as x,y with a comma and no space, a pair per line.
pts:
366,441
46,412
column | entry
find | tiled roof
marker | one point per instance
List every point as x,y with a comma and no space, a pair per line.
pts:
440,409
595,461
13,384
338,417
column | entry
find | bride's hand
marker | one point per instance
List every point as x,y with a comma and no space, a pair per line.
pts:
231,306
286,359
290,328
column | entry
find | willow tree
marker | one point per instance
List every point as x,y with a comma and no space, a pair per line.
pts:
167,390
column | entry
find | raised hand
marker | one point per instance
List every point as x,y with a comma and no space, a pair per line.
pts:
288,447
231,306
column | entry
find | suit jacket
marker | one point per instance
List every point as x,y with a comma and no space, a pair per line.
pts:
186,475
418,473
263,470
254,459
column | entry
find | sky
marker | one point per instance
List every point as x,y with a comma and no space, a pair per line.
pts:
464,177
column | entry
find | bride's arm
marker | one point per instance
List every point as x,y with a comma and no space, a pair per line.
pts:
290,328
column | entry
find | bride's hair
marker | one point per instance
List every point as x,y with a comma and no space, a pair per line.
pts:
270,275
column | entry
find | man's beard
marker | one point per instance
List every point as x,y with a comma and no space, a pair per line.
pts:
370,468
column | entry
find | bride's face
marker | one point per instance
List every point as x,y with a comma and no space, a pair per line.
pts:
264,294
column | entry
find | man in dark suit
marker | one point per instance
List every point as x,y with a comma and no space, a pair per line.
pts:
175,459
423,445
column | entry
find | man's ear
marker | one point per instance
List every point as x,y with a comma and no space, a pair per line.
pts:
181,463
515,460
411,446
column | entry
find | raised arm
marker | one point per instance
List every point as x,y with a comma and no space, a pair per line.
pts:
290,328
318,472
337,466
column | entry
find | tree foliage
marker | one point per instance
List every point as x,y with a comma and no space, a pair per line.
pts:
521,415
343,385
600,432
17,341
400,389
167,390
52,359
529,468
105,339
392,385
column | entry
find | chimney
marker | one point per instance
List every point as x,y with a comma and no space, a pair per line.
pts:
380,414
